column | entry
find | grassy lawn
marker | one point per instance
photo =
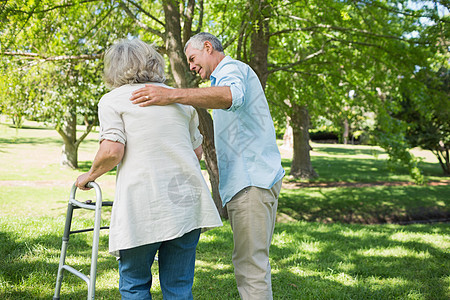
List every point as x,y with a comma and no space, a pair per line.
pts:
378,204
359,163
322,248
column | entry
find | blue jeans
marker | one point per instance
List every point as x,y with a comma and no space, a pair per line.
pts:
176,259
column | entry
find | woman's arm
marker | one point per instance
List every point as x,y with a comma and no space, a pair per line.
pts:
108,156
199,152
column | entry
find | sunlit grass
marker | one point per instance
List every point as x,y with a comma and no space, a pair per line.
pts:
361,163
310,260
379,204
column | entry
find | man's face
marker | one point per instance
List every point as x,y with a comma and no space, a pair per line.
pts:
199,61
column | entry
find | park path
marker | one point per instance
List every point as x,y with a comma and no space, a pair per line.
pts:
286,185
46,183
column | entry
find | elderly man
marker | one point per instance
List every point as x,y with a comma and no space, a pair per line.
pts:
249,162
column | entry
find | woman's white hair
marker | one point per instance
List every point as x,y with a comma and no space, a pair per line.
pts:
132,61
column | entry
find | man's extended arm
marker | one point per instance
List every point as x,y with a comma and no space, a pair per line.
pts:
108,156
211,97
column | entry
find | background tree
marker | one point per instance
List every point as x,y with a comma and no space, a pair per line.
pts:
426,110
308,55
54,50
323,50
66,32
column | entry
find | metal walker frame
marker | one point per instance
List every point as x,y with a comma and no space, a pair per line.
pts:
97,207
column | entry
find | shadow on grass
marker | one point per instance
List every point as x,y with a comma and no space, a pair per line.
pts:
29,127
50,141
309,261
358,262
314,261
332,169
348,150
382,204
29,265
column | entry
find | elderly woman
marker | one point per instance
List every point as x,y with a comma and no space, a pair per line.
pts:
162,200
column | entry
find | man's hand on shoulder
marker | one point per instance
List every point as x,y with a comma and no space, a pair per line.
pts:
209,97
152,95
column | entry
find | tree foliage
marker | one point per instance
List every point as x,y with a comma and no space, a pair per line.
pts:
324,51
310,55
52,59
426,113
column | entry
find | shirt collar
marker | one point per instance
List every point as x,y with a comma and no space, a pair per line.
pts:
219,67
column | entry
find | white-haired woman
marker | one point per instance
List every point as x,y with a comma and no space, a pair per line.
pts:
161,201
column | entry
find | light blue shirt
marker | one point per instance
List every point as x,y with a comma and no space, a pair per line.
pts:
247,152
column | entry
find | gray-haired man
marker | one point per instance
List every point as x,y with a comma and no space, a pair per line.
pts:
249,162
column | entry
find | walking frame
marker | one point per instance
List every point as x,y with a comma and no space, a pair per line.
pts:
97,207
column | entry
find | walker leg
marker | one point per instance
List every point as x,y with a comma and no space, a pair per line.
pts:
65,243
95,243
74,204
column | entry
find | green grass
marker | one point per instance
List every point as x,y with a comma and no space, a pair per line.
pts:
309,261
350,163
317,255
379,204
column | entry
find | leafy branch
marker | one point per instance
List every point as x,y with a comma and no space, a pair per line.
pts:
51,8
139,22
346,29
289,66
36,56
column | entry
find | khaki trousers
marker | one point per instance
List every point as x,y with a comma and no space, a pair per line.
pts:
252,214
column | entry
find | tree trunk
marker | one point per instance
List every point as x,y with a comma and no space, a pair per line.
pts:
301,166
174,45
17,120
68,131
185,79
207,130
260,13
69,155
443,157
346,132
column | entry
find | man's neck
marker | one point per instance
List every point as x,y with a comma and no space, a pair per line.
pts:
217,58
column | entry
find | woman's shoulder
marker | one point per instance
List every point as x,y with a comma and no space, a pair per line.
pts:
119,94
160,84
127,88
187,109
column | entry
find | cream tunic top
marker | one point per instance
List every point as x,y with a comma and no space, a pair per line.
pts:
160,191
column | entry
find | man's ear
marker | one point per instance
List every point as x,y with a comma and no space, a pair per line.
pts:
208,46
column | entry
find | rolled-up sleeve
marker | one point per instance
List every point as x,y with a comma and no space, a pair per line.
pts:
196,136
230,75
111,124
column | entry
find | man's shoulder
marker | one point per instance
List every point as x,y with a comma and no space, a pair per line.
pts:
229,66
231,61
